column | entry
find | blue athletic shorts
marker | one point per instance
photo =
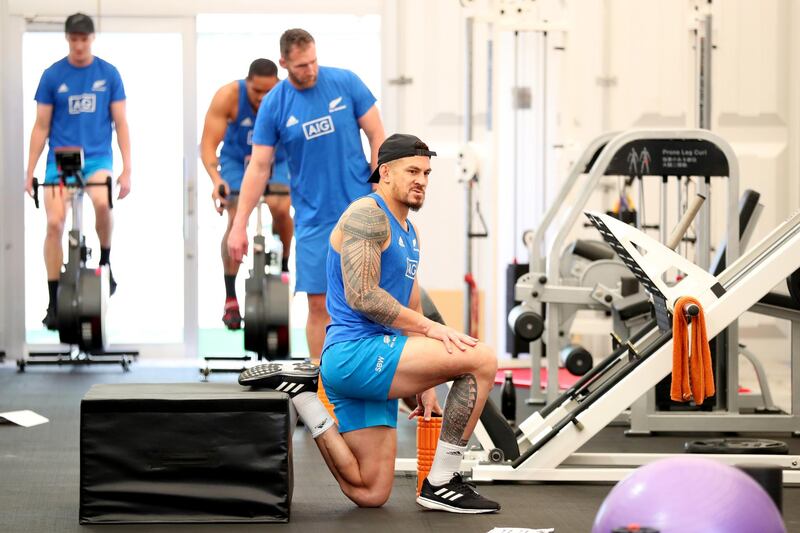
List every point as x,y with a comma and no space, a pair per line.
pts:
311,253
90,166
357,376
232,171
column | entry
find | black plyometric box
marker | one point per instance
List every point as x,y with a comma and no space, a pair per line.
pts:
185,452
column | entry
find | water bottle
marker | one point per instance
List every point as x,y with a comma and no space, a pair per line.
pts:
508,402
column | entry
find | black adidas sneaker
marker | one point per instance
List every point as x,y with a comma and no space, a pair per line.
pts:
456,496
291,378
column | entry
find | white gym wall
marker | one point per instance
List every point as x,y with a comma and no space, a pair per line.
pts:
624,63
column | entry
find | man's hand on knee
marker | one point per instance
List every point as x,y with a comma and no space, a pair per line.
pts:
450,337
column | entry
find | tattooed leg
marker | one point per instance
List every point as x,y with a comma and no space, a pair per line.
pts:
456,429
458,409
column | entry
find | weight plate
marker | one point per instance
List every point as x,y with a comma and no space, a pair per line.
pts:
738,446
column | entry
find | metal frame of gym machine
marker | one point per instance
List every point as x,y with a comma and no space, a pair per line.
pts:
266,318
565,294
542,287
499,16
494,440
644,416
582,411
538,264
83,292
528,430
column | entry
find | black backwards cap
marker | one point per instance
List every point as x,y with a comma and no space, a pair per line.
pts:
79,23
398,146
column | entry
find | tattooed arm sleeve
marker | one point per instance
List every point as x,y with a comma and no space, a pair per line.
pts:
365,229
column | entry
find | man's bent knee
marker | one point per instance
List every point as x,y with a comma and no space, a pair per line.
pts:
370,496
278,208
486,360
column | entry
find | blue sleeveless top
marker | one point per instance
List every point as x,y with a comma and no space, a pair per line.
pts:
238,140
398,269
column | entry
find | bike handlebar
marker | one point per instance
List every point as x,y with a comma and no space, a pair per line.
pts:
79,185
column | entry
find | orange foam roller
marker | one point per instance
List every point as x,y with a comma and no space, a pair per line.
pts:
427,436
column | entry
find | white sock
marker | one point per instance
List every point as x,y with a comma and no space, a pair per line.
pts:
312,412
446,462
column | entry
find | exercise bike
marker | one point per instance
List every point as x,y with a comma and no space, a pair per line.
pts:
83,292
266,303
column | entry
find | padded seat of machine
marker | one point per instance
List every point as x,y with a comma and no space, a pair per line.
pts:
632,306
592,250
185,452
778,299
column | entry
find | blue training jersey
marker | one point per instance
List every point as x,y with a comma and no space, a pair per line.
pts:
238,141
81,98
319,129
398,270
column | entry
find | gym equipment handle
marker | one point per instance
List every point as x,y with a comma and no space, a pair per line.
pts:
222,194
110,194
36,192
685,221
106,184
267,192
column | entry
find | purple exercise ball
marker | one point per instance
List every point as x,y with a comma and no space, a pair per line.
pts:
686,494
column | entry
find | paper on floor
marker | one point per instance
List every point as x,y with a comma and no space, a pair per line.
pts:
520,530
24,418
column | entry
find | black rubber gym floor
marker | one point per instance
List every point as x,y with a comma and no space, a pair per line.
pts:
39,471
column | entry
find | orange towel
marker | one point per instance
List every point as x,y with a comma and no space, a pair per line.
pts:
692,377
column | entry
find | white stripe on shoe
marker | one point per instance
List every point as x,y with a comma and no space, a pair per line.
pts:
281,386
446,496
430,504
454,498
441,491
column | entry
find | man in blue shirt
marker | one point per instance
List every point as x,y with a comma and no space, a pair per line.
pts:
78,100
380,347
230,120
316,114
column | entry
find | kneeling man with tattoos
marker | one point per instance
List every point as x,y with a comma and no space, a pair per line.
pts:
379,347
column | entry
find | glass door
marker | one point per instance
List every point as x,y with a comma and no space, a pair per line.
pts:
226,45
154,246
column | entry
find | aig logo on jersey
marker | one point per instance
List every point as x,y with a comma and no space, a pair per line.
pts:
411,267
82,103
319,127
